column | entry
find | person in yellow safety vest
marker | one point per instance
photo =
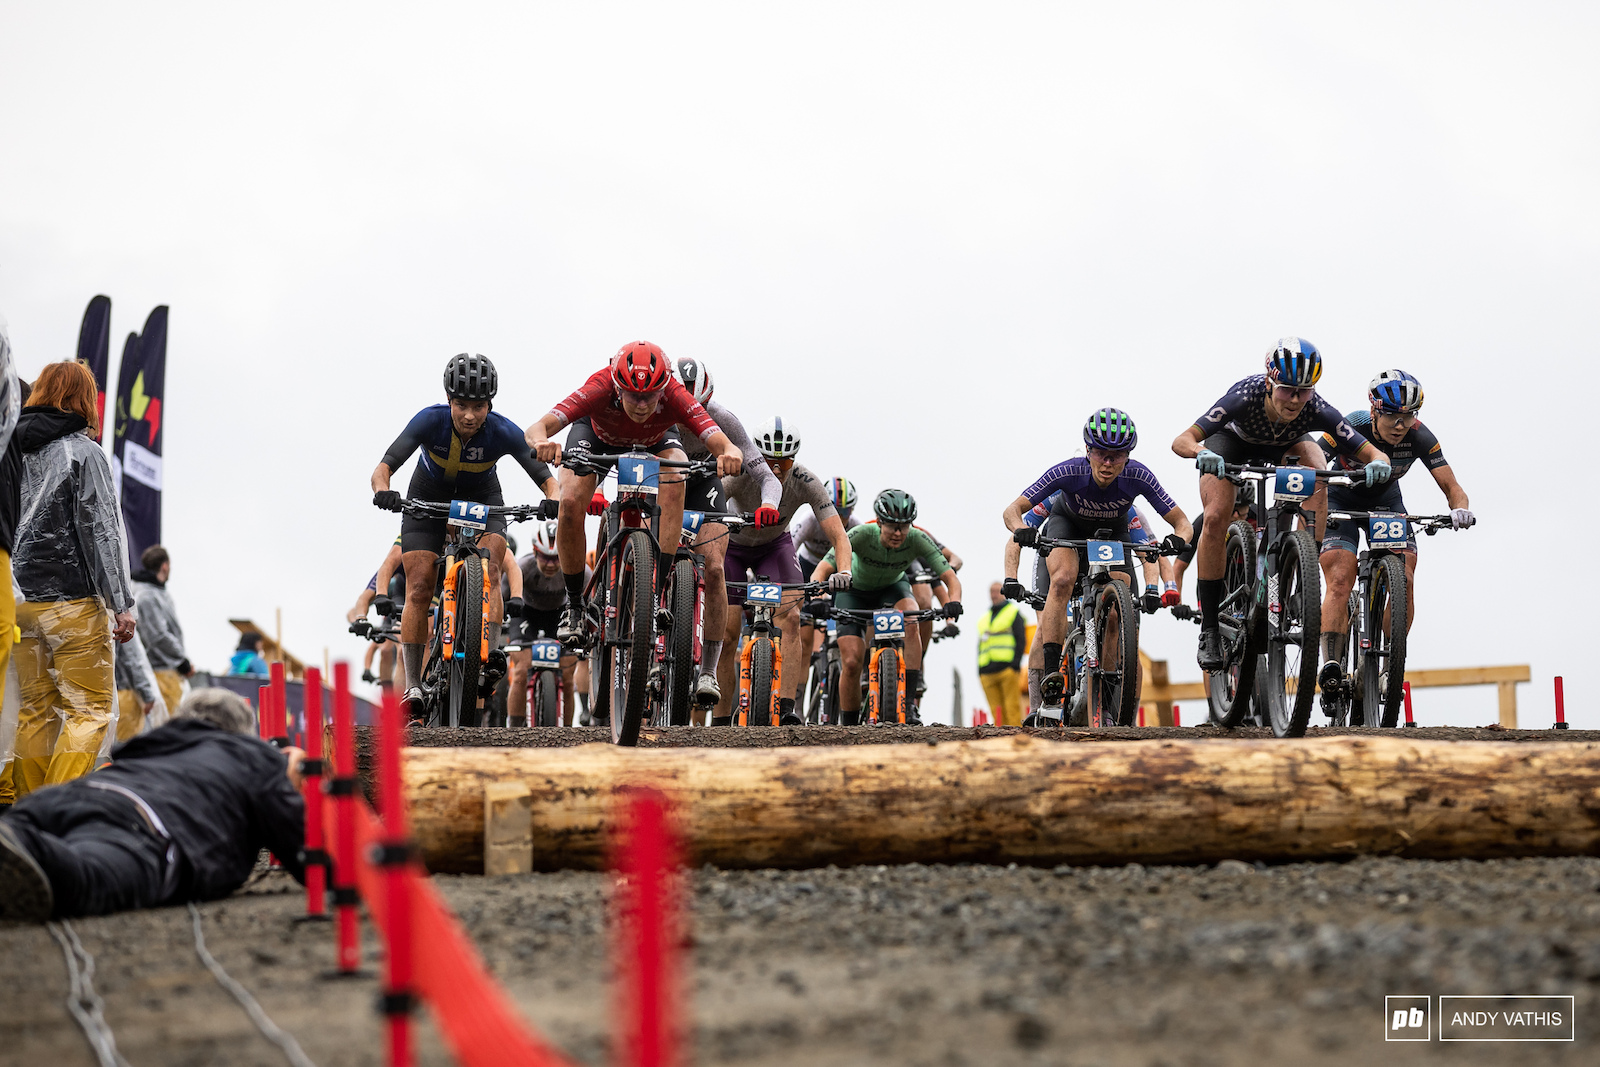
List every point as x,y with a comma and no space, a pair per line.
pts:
1002,644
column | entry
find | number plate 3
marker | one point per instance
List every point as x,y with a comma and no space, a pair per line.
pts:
1104,553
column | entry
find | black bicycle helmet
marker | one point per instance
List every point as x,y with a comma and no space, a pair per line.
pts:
895,505
470,377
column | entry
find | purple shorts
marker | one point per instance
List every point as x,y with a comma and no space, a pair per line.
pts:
773,561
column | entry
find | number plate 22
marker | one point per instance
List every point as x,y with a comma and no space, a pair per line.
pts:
888,625
1294,484
638,474
762,593
546,652
1388,531
468,514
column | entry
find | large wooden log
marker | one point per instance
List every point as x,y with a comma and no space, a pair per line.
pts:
1029,801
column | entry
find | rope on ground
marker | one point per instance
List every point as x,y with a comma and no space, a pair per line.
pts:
83,1002
269,1029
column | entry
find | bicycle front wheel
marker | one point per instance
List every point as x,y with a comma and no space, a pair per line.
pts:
1383,667
628,647
1292,644
465,661
891,701
761,681
680,646
1230,688
1114,685
547,698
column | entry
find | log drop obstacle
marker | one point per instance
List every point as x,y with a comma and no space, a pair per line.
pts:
1018,799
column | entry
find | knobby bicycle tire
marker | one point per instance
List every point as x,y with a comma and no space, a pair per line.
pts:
761,681
632,631
1383,667
1231,688
1115,703
1293,661
891,702
680,646
1350,661
547,698
465,660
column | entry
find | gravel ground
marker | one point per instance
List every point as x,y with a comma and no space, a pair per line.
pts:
904,965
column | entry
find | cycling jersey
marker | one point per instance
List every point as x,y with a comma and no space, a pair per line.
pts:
873,565
813,543
704,494
597,400
1242,413
1419,443
1139,529
800,488
1344,535
464,468
1085,498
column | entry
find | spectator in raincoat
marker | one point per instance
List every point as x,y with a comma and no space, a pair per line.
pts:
12,393
140,703
69,562
159,631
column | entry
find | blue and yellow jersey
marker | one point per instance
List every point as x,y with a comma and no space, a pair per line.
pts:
463,467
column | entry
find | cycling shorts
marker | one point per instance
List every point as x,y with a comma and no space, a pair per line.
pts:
581,435
1065,526
426,534
772,562
526,630
867,600
1345,535
704,493
1234,450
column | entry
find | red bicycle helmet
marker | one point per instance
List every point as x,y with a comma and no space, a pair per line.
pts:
640,367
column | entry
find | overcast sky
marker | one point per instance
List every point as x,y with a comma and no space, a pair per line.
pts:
935,237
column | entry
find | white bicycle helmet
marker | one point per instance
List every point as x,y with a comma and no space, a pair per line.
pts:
695,377
544,538
777,439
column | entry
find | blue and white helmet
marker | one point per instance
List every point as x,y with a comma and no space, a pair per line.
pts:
1294,362
1395,392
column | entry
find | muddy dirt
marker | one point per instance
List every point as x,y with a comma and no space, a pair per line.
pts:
1185,967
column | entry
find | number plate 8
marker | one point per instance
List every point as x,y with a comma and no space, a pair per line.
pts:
638,473
888,625
1387,531
547,652
1294,484
468,514
759,593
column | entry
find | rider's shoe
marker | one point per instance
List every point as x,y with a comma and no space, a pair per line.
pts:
570,632
722,720
850,718
1331,681
1210,651
706,691
1051,686
411,705
791,718
913,716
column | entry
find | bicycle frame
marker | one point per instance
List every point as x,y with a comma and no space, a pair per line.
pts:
885,638
765,600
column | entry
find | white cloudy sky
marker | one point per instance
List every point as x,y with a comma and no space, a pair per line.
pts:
936,236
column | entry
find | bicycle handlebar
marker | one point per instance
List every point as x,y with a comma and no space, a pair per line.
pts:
1430,524
1137,547
806,587
441,509
582,462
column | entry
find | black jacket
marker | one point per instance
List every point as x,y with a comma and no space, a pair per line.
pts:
223,797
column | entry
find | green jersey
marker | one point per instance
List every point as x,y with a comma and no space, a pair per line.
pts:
873,565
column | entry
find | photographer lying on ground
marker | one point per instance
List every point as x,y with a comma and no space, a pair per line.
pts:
180,814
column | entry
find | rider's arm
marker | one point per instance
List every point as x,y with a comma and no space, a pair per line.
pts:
1453,493
833,528
1191,442
380,477
824,570
409,441
1013,558
754,464
729,461
1180,523
1188,443
538,437
952,585
1014,512
513,573
386,569
362,605
953,559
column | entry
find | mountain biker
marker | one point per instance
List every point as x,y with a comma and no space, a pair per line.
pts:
1244,510
633,404
879,554
1391,424
926,594
767,552
811,544
1259,421
544,592
1099,489
704,493
460,443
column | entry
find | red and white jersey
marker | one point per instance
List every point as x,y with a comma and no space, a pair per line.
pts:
597,400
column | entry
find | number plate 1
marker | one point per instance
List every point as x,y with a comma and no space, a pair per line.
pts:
692,521
1294,484
638,474
1388,531
546,652
888,625
466,513
1105,553
762,593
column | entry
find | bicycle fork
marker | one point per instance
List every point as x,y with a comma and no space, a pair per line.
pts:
745,656
448,603
874,697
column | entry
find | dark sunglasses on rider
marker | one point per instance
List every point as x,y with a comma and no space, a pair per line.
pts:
1302,393
780,464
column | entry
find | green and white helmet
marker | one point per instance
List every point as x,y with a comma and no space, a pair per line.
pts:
777,439
895,505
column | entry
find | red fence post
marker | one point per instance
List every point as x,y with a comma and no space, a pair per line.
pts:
263,711
312,768
646,860
279,724
1406,688
1176,719
343,790
395,857
1561,706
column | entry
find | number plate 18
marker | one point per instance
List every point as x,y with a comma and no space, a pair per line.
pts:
1294,484
547,652
468,514
1388,531
1105,553
762,593
638,473
888,625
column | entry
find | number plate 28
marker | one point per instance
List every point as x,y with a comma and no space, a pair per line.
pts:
762,593
1294,484
468,514
1388,531
888,625
546,652
638,473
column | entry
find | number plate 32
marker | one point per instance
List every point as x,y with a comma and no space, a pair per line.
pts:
888,625
468,514
761,593
1294,484
546,652
1388,531
638,473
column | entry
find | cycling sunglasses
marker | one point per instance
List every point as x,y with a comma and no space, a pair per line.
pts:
779,464
1299,393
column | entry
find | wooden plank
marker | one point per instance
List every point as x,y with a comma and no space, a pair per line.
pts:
507,828
1508,704
1433,678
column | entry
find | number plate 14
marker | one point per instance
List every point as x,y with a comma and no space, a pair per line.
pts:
468,514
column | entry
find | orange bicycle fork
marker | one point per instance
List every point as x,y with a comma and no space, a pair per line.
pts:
874,697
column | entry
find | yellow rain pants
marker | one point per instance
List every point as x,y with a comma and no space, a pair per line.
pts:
171,685
8,630
130,714
65,668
